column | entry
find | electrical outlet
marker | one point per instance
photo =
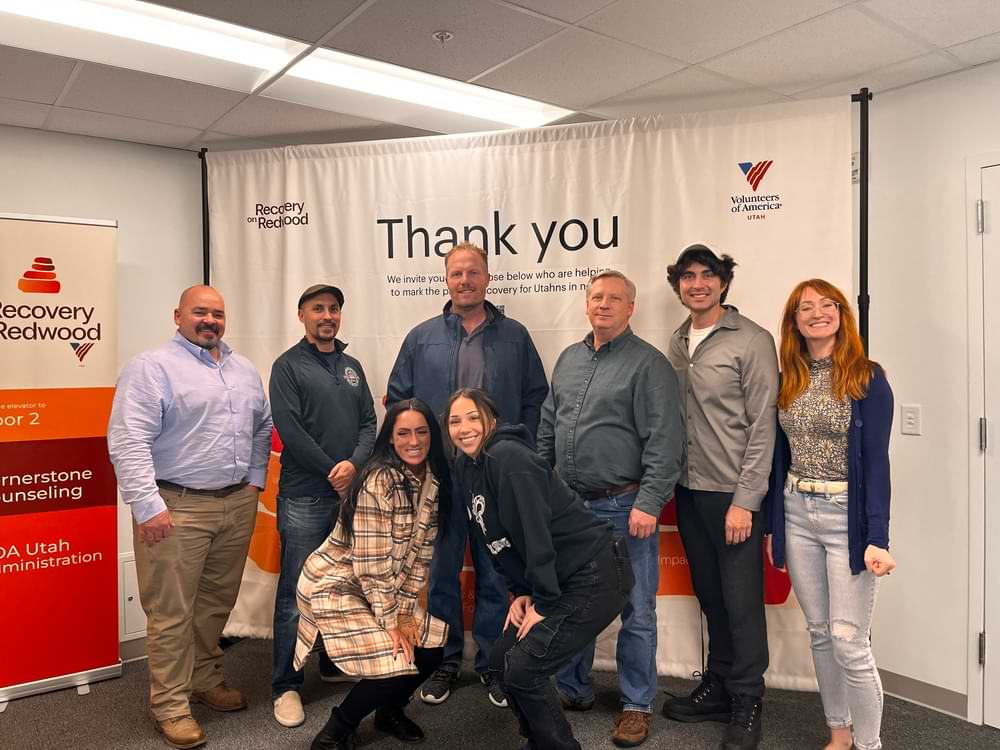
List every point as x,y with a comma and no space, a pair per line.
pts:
910,419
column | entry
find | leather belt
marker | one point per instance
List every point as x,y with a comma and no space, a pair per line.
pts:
610,491
221,492
814,487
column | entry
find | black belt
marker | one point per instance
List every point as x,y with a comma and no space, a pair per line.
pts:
610,491
221,492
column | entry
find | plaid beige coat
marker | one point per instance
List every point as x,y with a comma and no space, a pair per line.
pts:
352,591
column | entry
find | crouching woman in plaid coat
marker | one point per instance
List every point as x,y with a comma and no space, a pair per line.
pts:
359,589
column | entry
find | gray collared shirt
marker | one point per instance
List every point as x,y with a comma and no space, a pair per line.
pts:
612,417
729,386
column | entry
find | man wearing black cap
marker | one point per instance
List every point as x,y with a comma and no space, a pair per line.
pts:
727,370
325,417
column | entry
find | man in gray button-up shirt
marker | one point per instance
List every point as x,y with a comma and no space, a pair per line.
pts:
611,426
728,374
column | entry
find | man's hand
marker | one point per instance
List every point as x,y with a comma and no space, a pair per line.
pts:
531,618
517,609
156,529
341,476
738,524
640,524
401,645
878,561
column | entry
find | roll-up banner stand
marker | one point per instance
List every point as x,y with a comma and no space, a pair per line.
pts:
58,505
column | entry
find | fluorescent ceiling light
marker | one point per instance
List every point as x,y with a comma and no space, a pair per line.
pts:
345,83
151,38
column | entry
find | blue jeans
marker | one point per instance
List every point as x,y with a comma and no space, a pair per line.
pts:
636,654
444,594
838,609
304,523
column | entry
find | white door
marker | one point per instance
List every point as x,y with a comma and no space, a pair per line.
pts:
991,359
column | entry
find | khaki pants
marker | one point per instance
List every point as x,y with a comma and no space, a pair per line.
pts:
188,584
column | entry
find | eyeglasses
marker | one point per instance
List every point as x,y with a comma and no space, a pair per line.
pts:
826,306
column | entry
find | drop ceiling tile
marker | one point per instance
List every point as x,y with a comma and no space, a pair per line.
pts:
941,23
400,32
23,114
698,31
116,91
260,116
119,128
833,47
576,68
978,51
890,77
32,76
306,20
570,11
689,90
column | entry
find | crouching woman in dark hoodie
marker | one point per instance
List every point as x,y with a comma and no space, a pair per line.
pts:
569,576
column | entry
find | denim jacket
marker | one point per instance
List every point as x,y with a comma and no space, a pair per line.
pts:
868,485
428,359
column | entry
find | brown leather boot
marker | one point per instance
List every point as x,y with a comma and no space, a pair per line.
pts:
180,731
631,728
220,698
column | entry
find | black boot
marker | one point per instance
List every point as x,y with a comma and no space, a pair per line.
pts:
335,735
707,702
393,721
743,732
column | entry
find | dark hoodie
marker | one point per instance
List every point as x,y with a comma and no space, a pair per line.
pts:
537,529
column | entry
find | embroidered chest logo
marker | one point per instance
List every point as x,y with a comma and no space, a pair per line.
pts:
351,376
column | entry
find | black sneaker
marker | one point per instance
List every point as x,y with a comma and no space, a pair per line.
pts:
707,702
438,686
497,697
743,732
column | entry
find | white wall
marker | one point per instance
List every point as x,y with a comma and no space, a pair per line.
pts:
153,192
920,138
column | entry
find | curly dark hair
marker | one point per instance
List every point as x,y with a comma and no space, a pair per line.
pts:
697,253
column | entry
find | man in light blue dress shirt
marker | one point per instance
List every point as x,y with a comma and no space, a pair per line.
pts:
190,437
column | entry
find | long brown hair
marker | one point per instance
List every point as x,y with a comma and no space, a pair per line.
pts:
852,370
488,413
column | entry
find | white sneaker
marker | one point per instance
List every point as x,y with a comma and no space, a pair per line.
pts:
288,709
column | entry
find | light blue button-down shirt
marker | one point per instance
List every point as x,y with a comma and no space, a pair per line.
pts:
182,417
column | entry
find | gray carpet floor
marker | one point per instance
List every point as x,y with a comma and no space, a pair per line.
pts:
113,717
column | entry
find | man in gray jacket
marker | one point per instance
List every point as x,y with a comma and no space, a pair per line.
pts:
728,372
611,426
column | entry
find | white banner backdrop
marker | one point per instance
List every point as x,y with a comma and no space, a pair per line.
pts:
769,185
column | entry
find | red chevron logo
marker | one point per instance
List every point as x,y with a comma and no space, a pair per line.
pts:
755,172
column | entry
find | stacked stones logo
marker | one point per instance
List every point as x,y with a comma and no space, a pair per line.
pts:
754,207
755,172
45,321
40,278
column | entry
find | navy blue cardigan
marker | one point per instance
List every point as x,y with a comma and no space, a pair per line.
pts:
867,476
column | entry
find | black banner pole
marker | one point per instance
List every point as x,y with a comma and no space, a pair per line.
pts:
864,301
205,256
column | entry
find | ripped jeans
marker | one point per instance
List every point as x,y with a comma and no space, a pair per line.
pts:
838,609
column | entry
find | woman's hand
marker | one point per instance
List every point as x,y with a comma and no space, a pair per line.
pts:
517,609
531,618
401,644
409,628
878,561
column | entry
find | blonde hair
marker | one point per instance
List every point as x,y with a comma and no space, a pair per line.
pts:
468,247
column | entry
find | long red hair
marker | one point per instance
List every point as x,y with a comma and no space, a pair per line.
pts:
852,370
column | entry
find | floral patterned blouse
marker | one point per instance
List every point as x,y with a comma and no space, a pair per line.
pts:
816,425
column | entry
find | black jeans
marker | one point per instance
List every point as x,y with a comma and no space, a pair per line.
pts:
388,692
591,598
728,580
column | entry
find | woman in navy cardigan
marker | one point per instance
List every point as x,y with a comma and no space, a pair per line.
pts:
828,503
